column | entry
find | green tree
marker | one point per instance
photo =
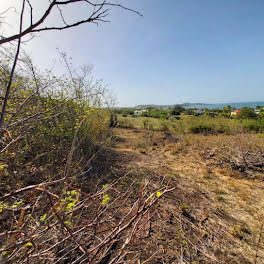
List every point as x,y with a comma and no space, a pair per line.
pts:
227,109
177,110
247,113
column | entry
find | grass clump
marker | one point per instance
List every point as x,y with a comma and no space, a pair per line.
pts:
209,176
201,129
241,231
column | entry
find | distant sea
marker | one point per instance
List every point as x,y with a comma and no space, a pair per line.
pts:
236,105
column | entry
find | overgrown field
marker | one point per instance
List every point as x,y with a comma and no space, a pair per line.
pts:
193,124
76,190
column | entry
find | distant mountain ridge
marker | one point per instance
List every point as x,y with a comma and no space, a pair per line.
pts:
170,106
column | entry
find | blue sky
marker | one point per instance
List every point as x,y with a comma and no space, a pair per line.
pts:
209,51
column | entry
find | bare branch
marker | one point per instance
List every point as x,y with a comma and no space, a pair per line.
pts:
93,18
13,68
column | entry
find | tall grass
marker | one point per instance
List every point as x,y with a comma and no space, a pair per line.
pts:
198,125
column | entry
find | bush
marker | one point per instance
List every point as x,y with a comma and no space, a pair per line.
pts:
223,129
164,127
156,113
247,113
145,123
151,128
51,116
177,110
201,129
125,124
253,126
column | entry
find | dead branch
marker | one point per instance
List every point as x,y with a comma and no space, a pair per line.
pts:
4,103
98,15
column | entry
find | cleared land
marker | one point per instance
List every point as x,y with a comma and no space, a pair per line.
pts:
215,213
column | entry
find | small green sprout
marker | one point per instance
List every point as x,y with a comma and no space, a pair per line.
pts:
3,166
105,186
16,204
68,223
3,206
70,206
5,254
43,218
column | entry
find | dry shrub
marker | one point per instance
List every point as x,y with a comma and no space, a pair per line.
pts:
125,124
57,222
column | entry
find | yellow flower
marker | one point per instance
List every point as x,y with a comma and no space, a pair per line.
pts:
158,194
105,200
28,245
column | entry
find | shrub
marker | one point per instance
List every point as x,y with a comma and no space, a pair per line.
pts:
47,116
151,128
125,124
223,129
164,127
253,126
201,129
247,113
177,110
145,123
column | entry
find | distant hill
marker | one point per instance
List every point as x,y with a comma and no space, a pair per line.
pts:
170,106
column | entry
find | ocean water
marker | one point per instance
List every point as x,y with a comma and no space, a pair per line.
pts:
236,105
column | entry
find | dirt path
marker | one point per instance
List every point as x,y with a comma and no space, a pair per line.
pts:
212,215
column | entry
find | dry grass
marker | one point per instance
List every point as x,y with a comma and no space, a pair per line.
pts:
202,124
215,213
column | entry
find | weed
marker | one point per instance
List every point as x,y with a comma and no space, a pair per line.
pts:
209,176
164,127
171,176
251,210
220,198
183,206
201,129
143,151
220,192
241,231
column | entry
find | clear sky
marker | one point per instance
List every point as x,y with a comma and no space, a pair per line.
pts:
209,51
